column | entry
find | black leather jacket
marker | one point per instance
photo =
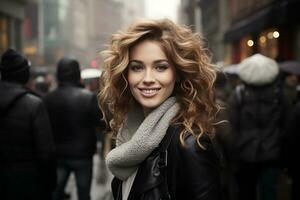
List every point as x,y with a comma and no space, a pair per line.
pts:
192,173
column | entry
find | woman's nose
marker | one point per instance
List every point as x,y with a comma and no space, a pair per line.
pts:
149,77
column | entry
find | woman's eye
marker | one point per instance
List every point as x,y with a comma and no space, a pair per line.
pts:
161,67
136,68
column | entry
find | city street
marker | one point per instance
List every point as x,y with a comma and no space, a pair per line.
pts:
184,98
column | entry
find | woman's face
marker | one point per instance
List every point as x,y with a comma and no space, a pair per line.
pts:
151,76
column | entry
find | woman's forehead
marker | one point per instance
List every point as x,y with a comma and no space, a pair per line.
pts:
147,49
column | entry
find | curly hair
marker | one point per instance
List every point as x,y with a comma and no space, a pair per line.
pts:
186,51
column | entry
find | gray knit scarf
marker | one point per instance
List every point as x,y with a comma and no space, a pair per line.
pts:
138,137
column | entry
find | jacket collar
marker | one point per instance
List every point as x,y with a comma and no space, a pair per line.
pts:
71,84
148,175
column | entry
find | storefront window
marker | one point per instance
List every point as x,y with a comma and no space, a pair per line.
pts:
268,43
247,45
3,34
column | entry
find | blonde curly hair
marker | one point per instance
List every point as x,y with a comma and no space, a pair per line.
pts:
185,50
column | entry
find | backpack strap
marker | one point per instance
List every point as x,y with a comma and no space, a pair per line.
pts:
6,111
11,105
163,162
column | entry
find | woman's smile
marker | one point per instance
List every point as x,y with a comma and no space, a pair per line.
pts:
149,92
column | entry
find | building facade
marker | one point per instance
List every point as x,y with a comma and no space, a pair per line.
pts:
47,30
269,27
211,19
12,14
236,29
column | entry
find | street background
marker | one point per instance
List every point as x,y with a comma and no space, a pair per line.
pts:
47,30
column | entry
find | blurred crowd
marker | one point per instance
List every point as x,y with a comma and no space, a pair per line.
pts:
260,103
51,126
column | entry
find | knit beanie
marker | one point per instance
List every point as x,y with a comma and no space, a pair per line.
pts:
68,70
258,70
14,67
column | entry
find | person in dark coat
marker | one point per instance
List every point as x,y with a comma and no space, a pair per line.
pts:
74,115
158,83
27,168
291,150
225,139
291,74
258,111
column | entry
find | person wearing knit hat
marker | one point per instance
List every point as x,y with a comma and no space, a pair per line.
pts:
257,113
27,169
14,67
258,70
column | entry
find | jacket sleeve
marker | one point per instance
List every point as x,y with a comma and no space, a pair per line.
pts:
44,144
199,171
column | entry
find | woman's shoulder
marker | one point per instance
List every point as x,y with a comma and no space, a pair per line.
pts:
191,142
197,167
191,152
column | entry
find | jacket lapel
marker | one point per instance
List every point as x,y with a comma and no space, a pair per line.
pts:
148,176
116,186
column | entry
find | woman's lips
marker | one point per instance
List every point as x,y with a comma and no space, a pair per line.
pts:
149,92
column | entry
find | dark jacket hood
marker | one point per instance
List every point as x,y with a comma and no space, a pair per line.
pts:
68,70
9,92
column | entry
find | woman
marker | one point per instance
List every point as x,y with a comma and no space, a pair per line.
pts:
158,84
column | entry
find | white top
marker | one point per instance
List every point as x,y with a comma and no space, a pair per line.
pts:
127,184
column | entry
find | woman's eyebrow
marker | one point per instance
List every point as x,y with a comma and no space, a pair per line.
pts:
155,62
161,60
137,61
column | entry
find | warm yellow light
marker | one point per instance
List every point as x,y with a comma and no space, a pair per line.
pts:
270,35
276,34
30,50
250,43
262,39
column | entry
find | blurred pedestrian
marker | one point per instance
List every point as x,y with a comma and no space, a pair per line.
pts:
27,169
291,72
74,115
41,87
258,112
92,83
158,82
291,150
224,139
